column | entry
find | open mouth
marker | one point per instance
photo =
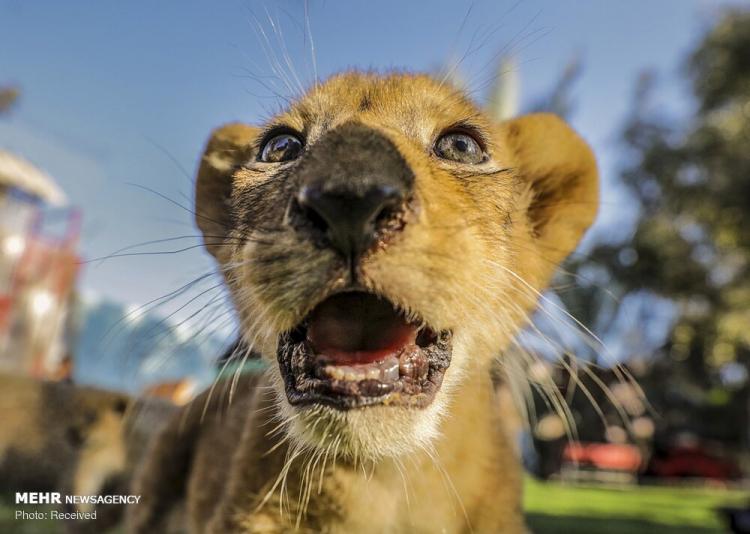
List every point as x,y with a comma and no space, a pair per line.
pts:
356,349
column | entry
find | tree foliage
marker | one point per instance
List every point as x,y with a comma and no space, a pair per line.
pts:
690,178
8,97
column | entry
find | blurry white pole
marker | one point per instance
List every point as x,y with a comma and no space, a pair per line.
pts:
503,101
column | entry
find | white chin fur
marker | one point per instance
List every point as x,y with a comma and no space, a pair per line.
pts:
369,433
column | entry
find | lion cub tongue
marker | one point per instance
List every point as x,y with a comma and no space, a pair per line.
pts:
358,328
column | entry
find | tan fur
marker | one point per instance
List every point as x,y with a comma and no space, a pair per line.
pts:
60,437
483,241
71,436
104,455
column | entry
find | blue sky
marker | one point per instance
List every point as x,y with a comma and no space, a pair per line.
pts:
116,93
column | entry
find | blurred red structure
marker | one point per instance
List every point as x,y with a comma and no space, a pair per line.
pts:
38,268
692,461
604,456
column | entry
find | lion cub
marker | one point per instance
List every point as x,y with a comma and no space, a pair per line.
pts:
382,241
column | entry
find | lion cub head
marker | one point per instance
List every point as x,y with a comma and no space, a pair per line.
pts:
382,239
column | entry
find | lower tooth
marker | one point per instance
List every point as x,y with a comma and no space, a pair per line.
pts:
389,370
353,374
373,373
334,372
413,364
384,371
345,372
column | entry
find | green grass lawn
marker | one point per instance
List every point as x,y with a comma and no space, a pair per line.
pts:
563,509
553,507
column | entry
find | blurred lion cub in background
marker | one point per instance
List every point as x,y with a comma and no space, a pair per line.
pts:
383,241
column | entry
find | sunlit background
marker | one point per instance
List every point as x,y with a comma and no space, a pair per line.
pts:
105,107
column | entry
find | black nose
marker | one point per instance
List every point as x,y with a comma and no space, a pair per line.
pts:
349,219
352,184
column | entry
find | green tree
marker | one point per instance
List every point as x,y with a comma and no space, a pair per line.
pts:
690,179
8,97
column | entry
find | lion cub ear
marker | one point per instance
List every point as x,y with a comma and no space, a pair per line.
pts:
560,170
228,147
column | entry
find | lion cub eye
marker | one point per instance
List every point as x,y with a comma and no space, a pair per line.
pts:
459,147
280,148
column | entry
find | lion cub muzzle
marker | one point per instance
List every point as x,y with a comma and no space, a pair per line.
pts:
354,194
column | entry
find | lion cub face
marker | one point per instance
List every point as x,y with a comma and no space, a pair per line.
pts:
381,238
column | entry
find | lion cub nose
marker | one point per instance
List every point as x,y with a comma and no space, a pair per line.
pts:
350,219
353,189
